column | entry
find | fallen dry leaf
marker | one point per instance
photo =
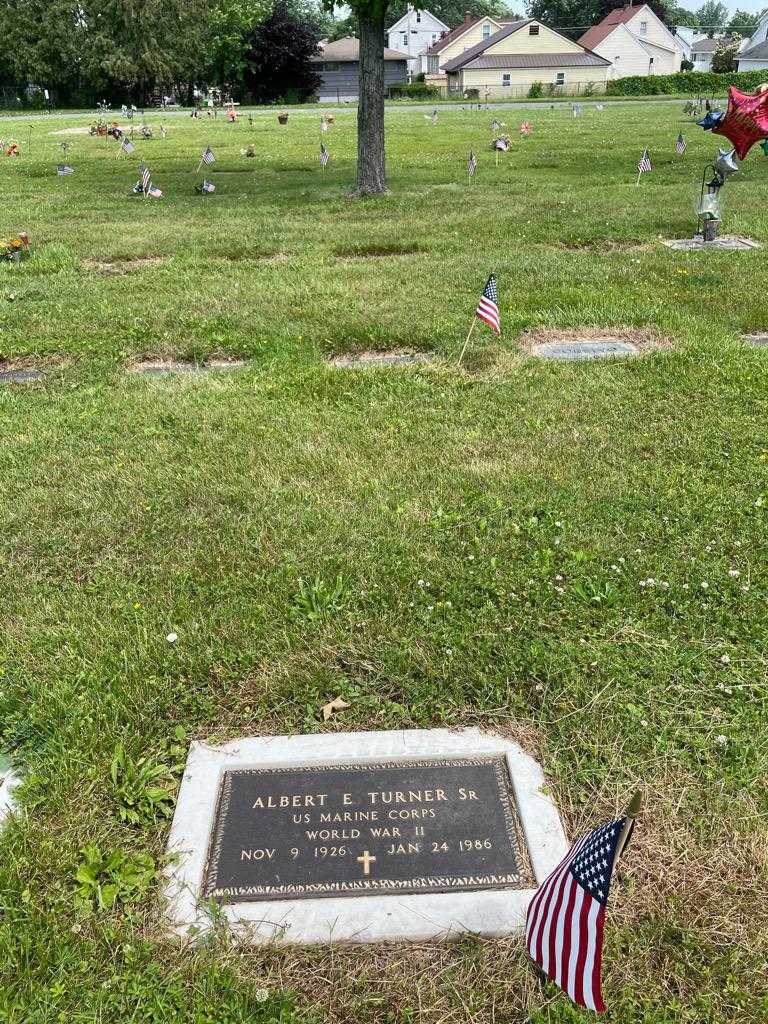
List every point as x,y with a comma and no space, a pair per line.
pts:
337,704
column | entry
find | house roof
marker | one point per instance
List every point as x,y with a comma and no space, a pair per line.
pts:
704,45
595,35
348,50
536,60
478,48
449,37
757,52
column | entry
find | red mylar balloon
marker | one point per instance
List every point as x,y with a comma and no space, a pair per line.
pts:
746,120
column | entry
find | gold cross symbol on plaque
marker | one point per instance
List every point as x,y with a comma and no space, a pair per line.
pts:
366,860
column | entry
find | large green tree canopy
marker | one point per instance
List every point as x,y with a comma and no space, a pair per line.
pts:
125,48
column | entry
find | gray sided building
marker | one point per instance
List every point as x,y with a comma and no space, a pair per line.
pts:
339,68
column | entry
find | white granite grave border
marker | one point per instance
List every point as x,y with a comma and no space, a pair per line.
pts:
372,918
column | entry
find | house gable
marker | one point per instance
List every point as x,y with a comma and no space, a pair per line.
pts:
474,33
651,29
533,37
427,22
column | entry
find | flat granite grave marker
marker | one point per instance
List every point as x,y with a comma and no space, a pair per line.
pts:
360,837
571,350
755,340
168,367
20,376
732,243
359,360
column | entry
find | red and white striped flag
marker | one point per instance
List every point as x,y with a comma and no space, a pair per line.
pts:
488,306
566,917
644,163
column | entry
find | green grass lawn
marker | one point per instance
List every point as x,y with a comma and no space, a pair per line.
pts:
574,555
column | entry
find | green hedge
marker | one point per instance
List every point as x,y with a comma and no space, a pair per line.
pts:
694,83
413,91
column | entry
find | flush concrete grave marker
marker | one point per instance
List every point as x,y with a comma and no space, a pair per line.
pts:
360,837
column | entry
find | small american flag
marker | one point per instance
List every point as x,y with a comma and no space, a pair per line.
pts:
645,163
208,157
495,126
323,125
501,144
146,177
471,163
154,191
208,186
566,917
488,306
680,144
64,169
324,155
126,145
525,128
433,118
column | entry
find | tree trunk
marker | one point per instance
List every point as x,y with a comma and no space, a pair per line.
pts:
371,174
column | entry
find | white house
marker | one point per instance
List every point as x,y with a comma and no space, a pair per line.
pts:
636,42
754,55
414,33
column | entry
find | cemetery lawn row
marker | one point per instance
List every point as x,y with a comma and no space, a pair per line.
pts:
571,554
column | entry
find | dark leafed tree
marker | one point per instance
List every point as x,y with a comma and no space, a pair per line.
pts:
277,58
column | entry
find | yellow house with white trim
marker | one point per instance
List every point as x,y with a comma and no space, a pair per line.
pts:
509,62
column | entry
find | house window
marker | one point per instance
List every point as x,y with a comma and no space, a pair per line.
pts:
486,30
533,30
643,28
506,79
418,17
405,38
330,67
560,79
434,37
433,65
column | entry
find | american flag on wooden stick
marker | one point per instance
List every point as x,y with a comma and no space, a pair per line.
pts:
566,917
644,163
324,155
680,144
471,163
126,146
488,306
208,157
146,177
64,169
